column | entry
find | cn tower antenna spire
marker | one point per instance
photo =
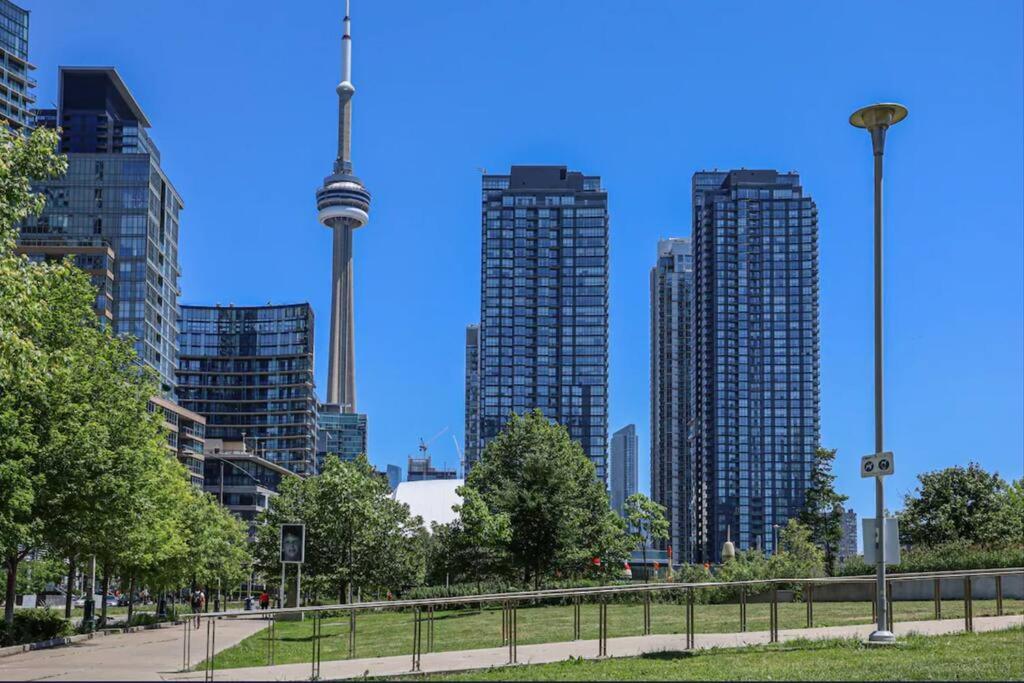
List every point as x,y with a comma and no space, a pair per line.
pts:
344,205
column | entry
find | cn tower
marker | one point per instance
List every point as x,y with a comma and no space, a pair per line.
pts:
343,205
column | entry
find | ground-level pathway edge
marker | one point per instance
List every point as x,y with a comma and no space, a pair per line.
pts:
543,653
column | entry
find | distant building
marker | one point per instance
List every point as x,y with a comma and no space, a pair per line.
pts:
848,542
249,371
624,466
673,483
420,469
394,473
756,410
115,211
544,303
241,480
431,500
339,433
16,98
186,436
474,448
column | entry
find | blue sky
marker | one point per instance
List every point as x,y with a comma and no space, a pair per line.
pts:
241,96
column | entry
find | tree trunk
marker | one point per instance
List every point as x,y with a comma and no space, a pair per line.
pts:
106,589
10,595
131,598
68,599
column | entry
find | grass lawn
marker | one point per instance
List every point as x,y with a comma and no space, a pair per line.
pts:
390,633
996,655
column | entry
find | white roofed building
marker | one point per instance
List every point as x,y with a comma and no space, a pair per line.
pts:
432,499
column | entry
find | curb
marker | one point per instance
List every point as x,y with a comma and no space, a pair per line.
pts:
77,638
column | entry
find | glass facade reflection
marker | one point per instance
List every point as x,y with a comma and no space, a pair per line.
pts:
756,411
672,481
249,371
16,98
340,434
544,303
114,198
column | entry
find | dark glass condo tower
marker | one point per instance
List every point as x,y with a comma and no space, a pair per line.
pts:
544,304
756,415
249,371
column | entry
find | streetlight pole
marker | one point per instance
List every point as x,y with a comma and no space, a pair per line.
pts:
877,119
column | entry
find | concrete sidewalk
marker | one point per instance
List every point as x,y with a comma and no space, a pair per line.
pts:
140,656
462,660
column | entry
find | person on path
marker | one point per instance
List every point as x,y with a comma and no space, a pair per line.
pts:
264,600
198,604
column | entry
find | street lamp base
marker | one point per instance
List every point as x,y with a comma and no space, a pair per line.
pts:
881,638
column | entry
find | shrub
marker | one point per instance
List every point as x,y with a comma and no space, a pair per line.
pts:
945,557
33,626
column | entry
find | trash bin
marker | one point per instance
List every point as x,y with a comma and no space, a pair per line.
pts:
248,604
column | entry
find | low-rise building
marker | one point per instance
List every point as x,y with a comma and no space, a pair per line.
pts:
186,436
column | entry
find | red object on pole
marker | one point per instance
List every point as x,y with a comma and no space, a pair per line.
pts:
597,561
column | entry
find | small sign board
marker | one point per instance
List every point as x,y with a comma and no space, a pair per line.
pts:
891,544
293,543
877,465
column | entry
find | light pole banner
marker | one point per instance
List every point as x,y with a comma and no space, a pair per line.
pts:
293,543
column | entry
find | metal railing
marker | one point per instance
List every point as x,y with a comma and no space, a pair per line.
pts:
423,610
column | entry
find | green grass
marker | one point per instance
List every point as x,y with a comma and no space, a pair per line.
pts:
996,655
387,633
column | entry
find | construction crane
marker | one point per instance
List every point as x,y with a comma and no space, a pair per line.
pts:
424,444
462,462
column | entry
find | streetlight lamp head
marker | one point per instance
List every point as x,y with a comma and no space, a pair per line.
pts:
877,115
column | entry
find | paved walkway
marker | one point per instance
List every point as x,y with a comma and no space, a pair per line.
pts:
553,652
148,655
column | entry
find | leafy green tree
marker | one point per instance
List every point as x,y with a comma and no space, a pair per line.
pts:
478,537
557,509
646,522
357,536
962,504
822,513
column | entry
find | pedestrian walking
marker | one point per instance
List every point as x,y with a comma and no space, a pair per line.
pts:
198,605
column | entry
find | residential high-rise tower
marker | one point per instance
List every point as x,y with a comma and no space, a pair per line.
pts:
249,371
672,481
16,98
756,418
115,211
624,466
473,449
544,303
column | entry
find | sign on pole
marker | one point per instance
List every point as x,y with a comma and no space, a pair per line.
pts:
890,543
877,465
293,543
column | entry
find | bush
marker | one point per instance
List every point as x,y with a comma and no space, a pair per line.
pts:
33,626
945,557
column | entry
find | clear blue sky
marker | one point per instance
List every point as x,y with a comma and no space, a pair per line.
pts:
241,96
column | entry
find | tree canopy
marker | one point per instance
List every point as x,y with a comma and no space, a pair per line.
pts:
822,513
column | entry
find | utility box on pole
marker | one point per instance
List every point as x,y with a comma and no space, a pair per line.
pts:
891,542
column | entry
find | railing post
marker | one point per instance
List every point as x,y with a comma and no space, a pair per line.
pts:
647,613
773,616
937,597
430,628
515,633
874,603
743,609
968,606
504,623
510,610
211,648
690,619
351,633
809,598
602,628
315,659
273,638
576,618
184,647
999,595
415,638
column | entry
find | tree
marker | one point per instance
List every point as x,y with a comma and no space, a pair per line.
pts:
357,536
557,510
822,513
646,522
478,537
962,503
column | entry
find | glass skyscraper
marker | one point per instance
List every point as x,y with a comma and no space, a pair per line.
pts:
756,418
672,481
473,449
249,371
115,211
544,303
624,467
16,98
339,433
